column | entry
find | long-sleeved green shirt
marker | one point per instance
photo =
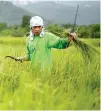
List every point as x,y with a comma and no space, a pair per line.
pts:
39,49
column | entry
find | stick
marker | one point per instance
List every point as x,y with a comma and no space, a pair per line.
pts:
13,58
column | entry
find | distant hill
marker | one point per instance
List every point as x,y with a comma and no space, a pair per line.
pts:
63,12
52,12
11,14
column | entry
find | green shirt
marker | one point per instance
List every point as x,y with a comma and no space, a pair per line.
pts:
39,49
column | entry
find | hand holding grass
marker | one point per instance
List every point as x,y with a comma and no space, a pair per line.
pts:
72,36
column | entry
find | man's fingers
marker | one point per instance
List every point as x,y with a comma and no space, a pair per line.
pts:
73,35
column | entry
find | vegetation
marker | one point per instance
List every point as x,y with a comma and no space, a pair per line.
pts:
84,31
72,85
74,81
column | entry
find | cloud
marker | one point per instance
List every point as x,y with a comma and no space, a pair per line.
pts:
87,5
23,2
15,2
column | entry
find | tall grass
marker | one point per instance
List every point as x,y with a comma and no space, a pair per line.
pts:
72,85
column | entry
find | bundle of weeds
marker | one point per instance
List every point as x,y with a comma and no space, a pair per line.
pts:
87,51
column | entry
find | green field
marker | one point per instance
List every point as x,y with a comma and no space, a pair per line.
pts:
74,84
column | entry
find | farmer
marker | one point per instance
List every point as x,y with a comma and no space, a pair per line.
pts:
39,44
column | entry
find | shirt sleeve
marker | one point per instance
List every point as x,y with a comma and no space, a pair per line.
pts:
27,50
57,42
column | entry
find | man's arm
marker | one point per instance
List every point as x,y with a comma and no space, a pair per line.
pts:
60,43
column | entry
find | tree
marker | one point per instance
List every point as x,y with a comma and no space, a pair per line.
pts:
55,29
25,21
94,30
83,31
3,26
66,26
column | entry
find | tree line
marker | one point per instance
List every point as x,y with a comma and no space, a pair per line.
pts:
83,31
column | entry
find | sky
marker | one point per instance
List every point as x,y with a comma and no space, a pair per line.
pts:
25,2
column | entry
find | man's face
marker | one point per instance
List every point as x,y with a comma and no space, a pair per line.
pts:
37,30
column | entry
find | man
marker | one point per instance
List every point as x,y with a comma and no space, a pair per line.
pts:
39,44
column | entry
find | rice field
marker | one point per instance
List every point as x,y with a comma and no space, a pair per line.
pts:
74,84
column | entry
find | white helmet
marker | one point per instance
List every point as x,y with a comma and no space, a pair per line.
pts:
36,21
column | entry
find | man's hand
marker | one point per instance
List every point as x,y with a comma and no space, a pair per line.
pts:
18,59
72,36
22,58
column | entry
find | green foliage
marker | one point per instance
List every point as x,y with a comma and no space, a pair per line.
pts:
95,30
72,85
25,21
95,27
66,26
17,33
3,26
20,32
90,31
14,27
55,29
83,31
6,32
